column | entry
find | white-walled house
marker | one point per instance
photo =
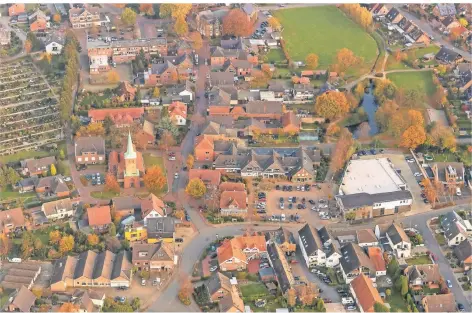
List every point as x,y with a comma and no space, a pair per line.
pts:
333,256
58,209
354,261
311,246
399,241
54,47
455,228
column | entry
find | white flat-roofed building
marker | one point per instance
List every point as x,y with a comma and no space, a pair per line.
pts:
371,176
372,188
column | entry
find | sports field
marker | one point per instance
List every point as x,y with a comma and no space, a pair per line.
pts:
323,30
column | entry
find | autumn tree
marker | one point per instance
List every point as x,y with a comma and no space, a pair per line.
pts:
196,40
180,26
167,140
154,179
359,14
291,297
267,70
185,290
92,129
413,137
237,23
333,129
342,151
111,184
415,117
345,58
463,22
295,80
190,161
439,97
128,17
113,77
359,91
384,90
46,57
442,137
156,92
331,104
146,8
196,188
54,237
430,191
175,10
311,61
179,214
52,170
66,244
398,55
28,46
259,79
68,307
455,33
92,240
274,23
57,18
4,245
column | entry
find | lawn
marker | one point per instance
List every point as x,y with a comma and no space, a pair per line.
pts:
323,30
418,260
250,290
421,81
275,56
397,303
440,239
8,193
104,194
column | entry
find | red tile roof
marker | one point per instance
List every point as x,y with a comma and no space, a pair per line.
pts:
119,116
366,293
210,177
375,254
99,215
177,109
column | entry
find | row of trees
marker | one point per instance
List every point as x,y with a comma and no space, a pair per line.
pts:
71,54
359,14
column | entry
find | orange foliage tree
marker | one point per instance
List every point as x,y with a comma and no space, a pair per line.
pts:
345,58
196,40
111,184
68,307
342,150
332,104
146,8
237,23
311,61
154,179
413,136
93,239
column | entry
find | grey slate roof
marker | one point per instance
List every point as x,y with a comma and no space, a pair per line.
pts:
463,250
283,276
362,199
310,239
324,235
396,234
280,236
447,55
449,225
90,144
353,257
218,280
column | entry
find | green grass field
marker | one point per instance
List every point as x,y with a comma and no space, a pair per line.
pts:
275,55
30,154
104,194
253,289
421,81
418,260
323,30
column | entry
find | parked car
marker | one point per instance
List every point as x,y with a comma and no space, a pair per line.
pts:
460,307
312,201
213,268
351,308
449,283
143,282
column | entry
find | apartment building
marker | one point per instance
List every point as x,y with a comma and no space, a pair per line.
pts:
86,18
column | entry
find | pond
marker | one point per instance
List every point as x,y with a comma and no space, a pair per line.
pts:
370,107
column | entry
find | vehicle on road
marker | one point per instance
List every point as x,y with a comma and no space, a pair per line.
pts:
460,307
458,192
176,175
213,268
449,283
143,282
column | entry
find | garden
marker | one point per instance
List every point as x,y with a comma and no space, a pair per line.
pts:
13,48
412,58
323,30
419,260
253,291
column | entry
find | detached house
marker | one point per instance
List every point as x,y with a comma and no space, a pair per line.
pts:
22,301
11,220
32,167
53,186
218,287
311,246
234,254
420,276
447,56
233,199
161,74
159,256
365,294
99,218
439,303
399,241
58,209
455,228
366,238
16,9
160,229
211,178
89,150
376,256
463,253
178,113
354,261
152,207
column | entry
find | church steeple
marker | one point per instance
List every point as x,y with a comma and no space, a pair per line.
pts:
130,153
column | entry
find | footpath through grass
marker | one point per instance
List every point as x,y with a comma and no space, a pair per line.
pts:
323,30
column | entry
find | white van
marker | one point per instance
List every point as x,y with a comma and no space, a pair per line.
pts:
14,260
458,192
345,301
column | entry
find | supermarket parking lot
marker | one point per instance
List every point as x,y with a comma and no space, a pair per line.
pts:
303,204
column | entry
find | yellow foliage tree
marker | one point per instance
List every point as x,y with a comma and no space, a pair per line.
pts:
345,58
54,236
93,240
156,92
180,26
442,137
66,244
68,307
196,188
413,137
113,77
311,61
190,161
274,23
52,169
196,39
331,104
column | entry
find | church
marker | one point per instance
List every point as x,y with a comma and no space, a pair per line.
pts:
128,166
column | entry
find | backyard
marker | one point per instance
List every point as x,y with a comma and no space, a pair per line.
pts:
412,55
254,291
418,260
397,303
422,81
323,30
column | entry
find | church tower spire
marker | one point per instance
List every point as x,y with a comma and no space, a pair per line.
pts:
130,153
